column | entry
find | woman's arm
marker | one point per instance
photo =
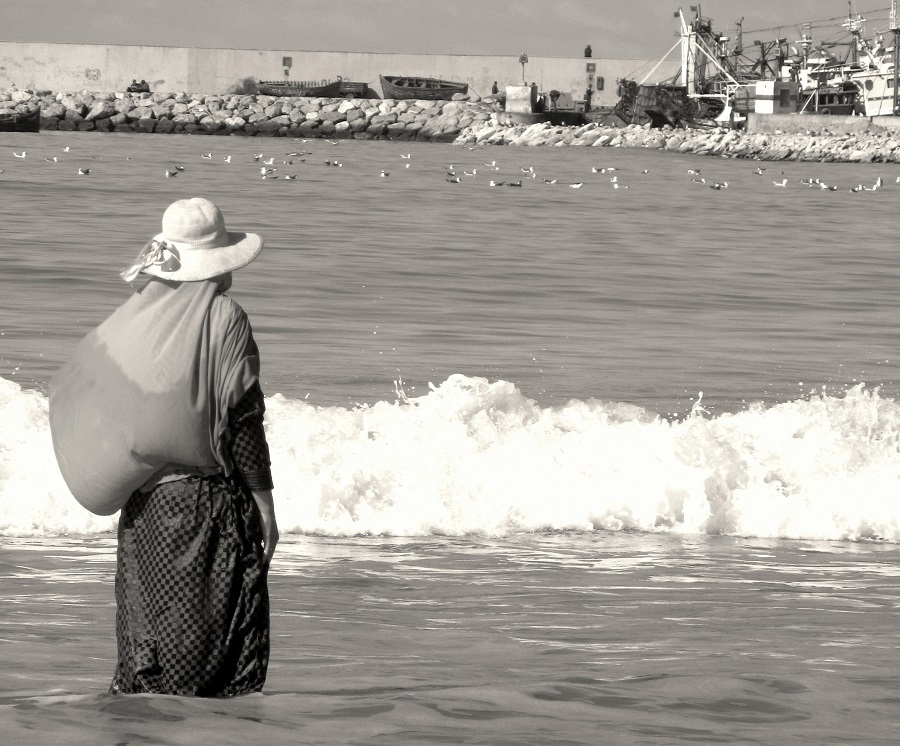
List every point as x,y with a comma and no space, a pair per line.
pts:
266,504
250,452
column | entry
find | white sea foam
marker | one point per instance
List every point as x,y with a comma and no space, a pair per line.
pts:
474,456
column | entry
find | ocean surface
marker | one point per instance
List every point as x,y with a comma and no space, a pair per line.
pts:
611,456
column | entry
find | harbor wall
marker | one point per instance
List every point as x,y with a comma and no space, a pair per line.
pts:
794,124
109,68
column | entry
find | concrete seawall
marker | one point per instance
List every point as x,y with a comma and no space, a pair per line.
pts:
110,68
471,122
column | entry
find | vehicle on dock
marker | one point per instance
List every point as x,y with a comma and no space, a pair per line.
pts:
838,99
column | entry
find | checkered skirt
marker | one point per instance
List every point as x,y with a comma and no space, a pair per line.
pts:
193,606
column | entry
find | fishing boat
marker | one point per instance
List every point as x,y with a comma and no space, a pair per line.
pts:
869,67
430,89
311,89
14,121
723,81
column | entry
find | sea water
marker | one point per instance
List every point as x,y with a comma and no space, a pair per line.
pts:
552,462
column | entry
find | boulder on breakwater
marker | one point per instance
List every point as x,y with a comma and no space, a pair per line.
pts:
868,141
257,115
465,120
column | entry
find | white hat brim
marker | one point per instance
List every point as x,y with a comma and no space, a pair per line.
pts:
205,263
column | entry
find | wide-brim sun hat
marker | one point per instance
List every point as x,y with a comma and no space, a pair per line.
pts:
194,245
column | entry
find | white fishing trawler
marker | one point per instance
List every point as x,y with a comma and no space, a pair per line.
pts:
720,81
870,66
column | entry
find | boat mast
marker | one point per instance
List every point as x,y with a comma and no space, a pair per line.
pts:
688,54
895,28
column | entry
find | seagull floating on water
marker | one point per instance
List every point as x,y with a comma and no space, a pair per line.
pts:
227,159
171,173
782,183
20,155
454,180
576,185
385,173
84,171
206,155
408,155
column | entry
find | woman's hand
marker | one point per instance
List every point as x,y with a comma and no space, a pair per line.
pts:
266,505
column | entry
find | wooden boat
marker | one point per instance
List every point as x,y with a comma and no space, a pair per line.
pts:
399,87
335,89
16,121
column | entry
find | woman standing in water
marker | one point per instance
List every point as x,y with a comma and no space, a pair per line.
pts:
159,413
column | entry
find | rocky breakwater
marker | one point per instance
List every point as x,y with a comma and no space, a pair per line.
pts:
864,143
439,121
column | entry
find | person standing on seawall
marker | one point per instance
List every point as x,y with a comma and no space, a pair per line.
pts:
159,413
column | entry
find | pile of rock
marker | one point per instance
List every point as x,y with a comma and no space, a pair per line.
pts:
258,115
472,122
870,144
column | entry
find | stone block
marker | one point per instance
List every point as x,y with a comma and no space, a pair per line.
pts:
267,125
56,109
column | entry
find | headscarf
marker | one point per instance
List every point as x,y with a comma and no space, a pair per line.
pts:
148,391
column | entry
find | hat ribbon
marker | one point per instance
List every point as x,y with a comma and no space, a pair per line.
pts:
154,253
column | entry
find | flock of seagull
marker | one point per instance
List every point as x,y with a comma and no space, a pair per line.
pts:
276,167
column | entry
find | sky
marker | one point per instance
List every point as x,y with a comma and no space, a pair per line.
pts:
627,29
